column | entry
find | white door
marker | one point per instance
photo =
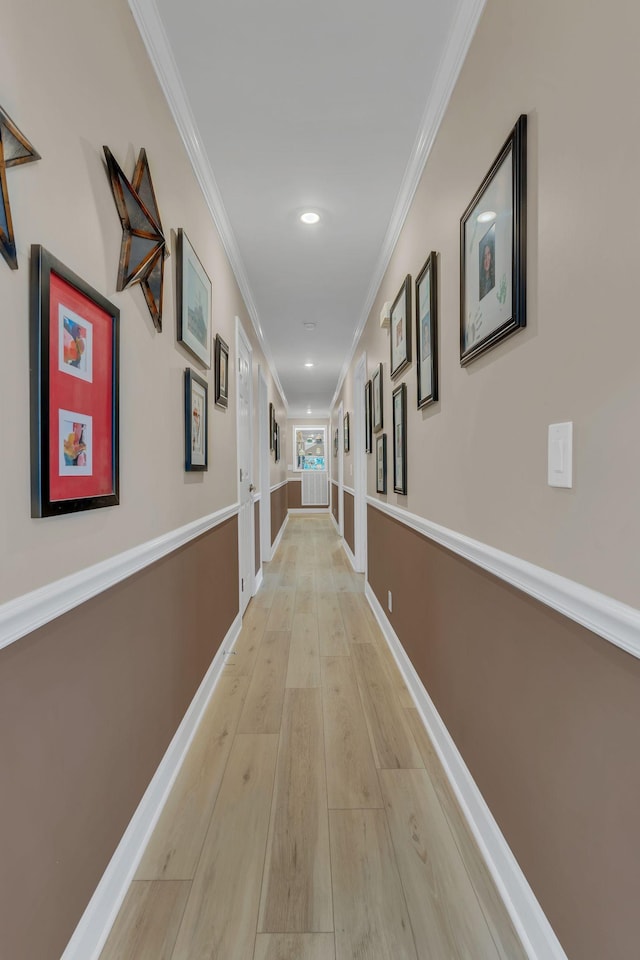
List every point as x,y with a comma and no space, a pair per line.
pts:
263,453
245,457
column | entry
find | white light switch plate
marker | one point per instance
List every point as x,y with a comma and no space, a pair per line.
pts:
560,456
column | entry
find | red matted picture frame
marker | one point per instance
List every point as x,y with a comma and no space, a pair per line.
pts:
74,340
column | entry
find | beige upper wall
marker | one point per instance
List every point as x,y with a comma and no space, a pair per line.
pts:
74,76
477,460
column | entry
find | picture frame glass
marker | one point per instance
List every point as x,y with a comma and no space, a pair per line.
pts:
399,440
381,464
367,417
198,424
194,298
221,372
400,329
425,338
376,399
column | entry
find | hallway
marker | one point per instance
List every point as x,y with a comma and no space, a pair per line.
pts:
311,819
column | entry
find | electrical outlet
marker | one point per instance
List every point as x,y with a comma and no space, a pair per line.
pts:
390,601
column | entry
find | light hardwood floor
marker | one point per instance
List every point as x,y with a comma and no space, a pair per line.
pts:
311,819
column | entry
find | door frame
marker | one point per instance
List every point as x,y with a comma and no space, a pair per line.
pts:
360,465
341,469
241,336
264,467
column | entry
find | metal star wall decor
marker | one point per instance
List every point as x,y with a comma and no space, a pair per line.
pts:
144,247
14,149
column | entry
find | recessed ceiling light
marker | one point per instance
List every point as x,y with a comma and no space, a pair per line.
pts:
310,217
309,326
309,411
309,364
486,216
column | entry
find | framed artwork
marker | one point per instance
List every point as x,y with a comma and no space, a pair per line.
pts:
276,441
367,418
222,372
336,441
381,464
401,329
427,332
15,150
196,421
400,439
194,301
346,433
493,240
376,398
272,420
74,344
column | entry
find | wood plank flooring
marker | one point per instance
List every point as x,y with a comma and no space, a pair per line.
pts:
311,819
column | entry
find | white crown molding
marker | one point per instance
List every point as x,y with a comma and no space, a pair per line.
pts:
613,621
155,39
535,931
455,51
32,610
95,924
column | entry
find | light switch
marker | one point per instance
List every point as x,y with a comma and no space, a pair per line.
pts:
560,459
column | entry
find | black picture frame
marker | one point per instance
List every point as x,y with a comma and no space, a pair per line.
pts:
399,405
400,330
221,372
377,411
272,420
276,441
368,436
192,287
493,251
427,332
336,441
345,435
74,404
196,421
381,463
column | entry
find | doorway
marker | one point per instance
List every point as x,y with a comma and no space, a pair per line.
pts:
244,408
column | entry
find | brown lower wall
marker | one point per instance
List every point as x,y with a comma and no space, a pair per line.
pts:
256,527
279,507
335,502
348,533
546,716
295,497
88,705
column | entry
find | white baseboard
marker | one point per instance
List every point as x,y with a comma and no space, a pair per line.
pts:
350,556
535,931
335,523
95,924
276,542
308,510
257,581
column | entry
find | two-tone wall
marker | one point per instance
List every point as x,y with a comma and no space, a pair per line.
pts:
542,709
90,700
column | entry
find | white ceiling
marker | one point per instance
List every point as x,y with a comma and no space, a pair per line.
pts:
297,105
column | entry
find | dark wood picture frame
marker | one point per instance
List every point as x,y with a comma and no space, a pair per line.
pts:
399,403
192,280
368,436
336,441
74,354
381,462
376,399
272,420
493,252
196,421
276,441
400,330
345,433
221,372
427,332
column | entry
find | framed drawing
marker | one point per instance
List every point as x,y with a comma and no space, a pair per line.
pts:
335,442
276,441
427,332
194,301
272,420
400,329
346,433
381,464
376,398
196,421
400,439
367,418
222,372
493,240
74,343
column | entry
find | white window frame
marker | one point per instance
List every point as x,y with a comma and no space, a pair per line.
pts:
309,426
